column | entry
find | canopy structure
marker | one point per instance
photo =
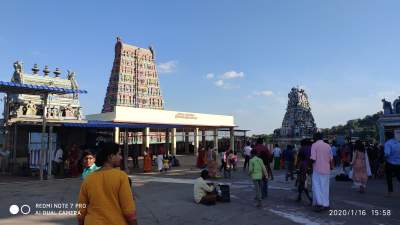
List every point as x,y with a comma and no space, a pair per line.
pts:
44,91
105,124
18,88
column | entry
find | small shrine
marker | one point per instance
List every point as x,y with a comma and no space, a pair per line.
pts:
59,107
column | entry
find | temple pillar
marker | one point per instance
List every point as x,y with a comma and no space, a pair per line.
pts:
232,138
173,141
196,141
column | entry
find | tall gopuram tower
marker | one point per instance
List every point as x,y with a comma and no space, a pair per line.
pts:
133,80
298,122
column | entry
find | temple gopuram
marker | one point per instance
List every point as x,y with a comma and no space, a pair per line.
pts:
59,107
298,122
133,80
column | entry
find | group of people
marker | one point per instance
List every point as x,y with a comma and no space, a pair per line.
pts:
313,163
163,161
209,159
69,163
105,185
105,196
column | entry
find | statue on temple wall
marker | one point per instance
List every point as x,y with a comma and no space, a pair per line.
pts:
18,72
30,109
78,114
396,106
15,109
387,107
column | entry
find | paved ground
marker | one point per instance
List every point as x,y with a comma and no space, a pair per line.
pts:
167,199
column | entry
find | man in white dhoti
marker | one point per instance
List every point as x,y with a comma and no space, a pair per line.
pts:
160,157
321,156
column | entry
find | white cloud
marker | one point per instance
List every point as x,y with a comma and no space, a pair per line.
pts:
219,83
266,93
232,74
210,76
167,67
221,80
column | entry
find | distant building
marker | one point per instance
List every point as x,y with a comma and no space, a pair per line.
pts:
134,80
298,122
390,120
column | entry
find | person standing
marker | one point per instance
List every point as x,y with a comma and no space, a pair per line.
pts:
73,157
360,167
334,154
346,154
135,157
160,157
276,152
58,162
105,197
229,163
257,171
247,154
201,158
147,161
392,156
304,166
321,157
288,154
212,162
89,165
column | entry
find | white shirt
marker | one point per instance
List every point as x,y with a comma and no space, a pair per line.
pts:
58,156
200,189
247,150
277,152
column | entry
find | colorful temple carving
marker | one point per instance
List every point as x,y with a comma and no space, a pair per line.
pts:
133,80
63,107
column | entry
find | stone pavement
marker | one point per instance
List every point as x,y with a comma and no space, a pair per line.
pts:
166,199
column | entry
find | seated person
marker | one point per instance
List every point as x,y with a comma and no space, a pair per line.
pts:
204,193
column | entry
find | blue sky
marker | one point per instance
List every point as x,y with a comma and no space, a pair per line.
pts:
344,53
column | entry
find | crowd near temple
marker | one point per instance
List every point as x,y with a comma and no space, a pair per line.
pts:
45,134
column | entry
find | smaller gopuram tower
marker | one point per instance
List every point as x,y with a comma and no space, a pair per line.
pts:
298,122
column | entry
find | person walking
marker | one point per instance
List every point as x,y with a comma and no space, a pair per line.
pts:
321,157
289,162
247,154
276,152
392,157
264,154
360,167
105,197
304,166
257,171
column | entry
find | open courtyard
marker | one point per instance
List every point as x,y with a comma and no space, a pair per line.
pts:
167,199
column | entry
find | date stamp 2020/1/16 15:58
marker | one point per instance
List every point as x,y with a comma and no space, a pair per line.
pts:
360,212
